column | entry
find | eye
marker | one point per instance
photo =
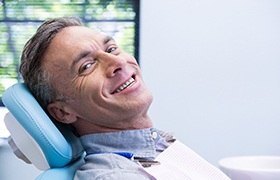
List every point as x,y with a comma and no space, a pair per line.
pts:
111,49
85,67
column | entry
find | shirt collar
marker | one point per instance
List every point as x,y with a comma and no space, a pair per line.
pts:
143,143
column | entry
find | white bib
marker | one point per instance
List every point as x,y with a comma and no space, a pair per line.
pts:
178,162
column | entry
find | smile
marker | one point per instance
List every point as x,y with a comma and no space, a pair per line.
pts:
124,85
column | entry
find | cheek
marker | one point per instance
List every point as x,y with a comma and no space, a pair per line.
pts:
89,108
77,88
85,89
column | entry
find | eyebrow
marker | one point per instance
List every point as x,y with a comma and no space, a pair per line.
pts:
85,53
79,57
107,39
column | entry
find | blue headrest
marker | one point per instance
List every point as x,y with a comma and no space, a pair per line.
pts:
60,147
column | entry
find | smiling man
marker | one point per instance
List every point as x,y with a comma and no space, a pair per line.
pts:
102,84
82,78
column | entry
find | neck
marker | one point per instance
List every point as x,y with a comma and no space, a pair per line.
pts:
84,127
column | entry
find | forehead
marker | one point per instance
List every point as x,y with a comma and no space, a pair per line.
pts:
68,43
74,33
72,40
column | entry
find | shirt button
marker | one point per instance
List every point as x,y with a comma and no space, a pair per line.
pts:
154,135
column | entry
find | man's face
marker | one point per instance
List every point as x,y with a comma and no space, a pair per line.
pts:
103,82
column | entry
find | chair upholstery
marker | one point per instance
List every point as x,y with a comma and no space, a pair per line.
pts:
50,147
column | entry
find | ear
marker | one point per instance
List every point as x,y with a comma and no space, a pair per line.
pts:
62,112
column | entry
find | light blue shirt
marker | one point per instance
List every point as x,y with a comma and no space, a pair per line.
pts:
102,163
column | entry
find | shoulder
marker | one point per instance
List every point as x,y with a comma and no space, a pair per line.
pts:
111,166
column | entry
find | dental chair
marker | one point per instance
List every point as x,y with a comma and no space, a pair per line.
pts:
35,138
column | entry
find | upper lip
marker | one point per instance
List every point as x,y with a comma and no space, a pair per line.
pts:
123,84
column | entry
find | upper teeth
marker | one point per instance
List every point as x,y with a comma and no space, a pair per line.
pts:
123,86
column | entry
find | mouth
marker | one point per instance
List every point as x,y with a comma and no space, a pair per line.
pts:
125,85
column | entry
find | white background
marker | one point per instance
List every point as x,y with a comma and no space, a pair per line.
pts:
214,70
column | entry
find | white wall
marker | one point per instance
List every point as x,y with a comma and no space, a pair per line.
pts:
214,70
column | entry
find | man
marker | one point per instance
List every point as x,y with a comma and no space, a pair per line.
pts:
82,78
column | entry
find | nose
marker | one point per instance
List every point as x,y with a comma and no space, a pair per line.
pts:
112,64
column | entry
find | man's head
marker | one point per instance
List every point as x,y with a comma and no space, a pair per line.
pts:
89,81
35,76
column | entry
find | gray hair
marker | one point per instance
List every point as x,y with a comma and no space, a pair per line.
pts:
37,79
